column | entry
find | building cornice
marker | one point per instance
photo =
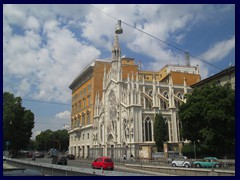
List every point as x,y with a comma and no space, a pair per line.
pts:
209,79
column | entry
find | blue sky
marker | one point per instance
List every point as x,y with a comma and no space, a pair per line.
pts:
46,46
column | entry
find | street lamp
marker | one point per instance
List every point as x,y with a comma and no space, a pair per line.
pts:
118,29
194,147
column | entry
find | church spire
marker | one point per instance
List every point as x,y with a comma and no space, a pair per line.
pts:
116,52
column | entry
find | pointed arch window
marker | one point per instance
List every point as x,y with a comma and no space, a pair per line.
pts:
125,127
101,132
147,129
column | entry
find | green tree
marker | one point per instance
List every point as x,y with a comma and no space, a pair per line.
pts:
52,139
160,131
61,137
31,145
17,122
44,140
208,118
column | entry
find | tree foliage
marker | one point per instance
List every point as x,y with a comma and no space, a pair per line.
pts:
208,118
17,122
160,131
52,139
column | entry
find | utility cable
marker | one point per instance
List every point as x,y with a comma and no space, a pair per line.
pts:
158,39
46,102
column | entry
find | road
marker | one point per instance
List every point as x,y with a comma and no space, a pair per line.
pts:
87,164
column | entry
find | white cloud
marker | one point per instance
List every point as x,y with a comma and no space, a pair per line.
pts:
47,60
219,50
46,46
34,134
63,115
32,23
48,54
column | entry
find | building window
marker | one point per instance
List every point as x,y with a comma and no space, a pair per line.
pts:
89,87
88,135
147,129
83,119
125,128
101,132
84,91
79,107
83,136
78,121
80,94
79,118
89,100
88,117
84,103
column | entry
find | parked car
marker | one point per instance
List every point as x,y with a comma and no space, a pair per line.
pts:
181,161
29,154
70,156
60,159
103,162
39,154
207,162
52,153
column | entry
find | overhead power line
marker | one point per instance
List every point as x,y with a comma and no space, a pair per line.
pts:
179,49
46,102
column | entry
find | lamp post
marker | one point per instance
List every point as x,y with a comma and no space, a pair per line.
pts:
194,147
118,29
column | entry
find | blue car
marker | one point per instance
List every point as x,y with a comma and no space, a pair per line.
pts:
207,162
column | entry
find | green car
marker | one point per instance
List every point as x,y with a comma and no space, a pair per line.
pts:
208,162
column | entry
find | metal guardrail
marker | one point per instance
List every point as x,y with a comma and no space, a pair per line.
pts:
180,171
59,170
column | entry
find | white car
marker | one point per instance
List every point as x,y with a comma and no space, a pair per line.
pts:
181,162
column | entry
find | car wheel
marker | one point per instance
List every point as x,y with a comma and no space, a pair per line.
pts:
198,165
217,166
112,169
173,165
186,166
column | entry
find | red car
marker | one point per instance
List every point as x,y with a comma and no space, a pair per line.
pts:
103,163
